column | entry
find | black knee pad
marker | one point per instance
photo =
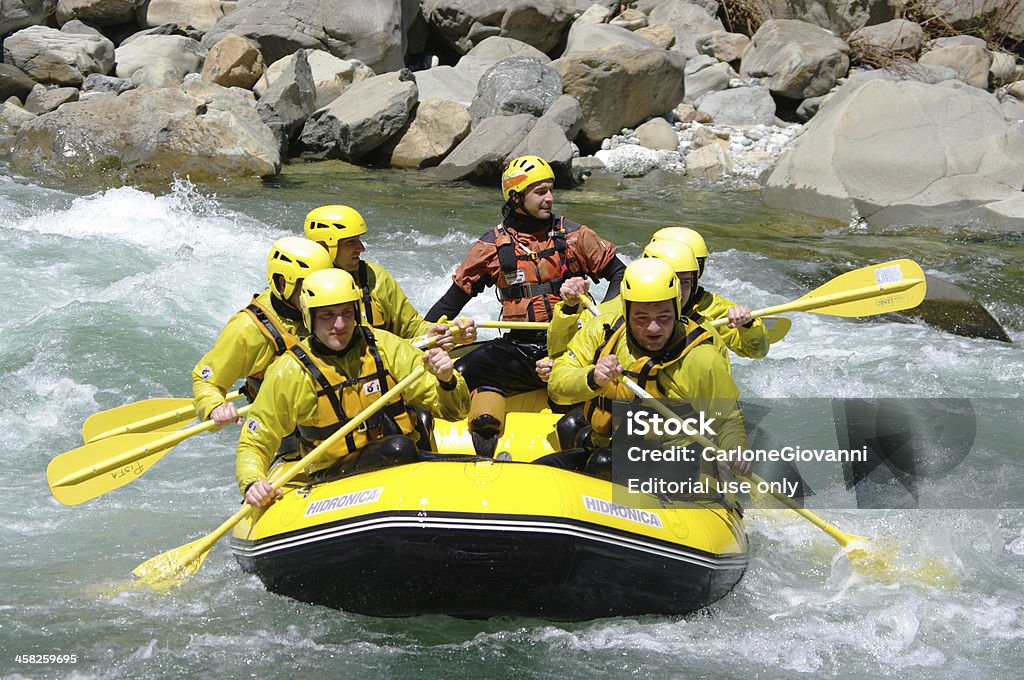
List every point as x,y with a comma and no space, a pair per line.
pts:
387,452
582,440
425,429
600,464
568,426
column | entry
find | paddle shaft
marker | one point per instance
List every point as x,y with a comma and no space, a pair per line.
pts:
813,303
198,549
133,455
157,420
421,341
516,325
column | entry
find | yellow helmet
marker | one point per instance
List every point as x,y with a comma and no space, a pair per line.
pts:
522,172
688,236
328,224
649,279
327,287
294,259
676,253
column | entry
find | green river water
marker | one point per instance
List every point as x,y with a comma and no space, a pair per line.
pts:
113,295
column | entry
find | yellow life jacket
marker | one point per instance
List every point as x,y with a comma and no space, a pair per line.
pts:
279,335
340,398
372,314
643,371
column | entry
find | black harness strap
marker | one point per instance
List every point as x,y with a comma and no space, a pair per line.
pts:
309,434
364,285
280,345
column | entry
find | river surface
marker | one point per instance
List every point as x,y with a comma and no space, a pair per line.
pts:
111,296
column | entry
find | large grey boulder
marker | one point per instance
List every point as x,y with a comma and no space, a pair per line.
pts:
896,37
516,85
96,12
199,129
437,127
840,16
363,118
331,75
14,82
740,106
481,156
288,101
588,36
566,113
465,23
661,35
43,99
12,117
960,12
722,45
459,83
952,309
658,133
159,60
903,69
372,31
200,15
621,89
50,56
1002,70
95,83
1008,213
547,140
971,62
18,14
705,74
689,20
795,59
901,152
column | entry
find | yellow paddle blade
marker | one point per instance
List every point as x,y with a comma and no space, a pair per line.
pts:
884,562
82,474
878,289
777,326
169,414
174,566
101,466
150,415
178,564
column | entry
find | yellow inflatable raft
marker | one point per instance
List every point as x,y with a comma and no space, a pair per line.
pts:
476,537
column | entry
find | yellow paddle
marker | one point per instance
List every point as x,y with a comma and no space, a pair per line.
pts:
858,556
878,563
421,342
94,469
777,326
178,564
150,415
878,289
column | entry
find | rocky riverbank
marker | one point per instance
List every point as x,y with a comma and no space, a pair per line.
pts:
853,113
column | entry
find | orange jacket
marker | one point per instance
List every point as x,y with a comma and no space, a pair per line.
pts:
528,271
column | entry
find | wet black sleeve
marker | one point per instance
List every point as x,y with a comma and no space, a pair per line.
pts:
613,272
450,304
